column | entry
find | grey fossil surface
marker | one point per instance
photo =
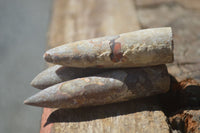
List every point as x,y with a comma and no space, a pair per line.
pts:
134,49
109,87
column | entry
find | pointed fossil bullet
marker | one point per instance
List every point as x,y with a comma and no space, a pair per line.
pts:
134,49
57,74
105,88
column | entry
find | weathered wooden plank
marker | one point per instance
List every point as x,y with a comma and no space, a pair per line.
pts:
186,26
76,20
142,116
186,100
183,16
188,4
145,3
187,121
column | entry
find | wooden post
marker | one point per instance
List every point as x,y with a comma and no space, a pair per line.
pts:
74,20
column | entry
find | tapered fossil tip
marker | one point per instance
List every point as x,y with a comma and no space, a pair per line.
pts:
34,101
38,83
43,98
49,77
29,101
48,57
25,101
34,82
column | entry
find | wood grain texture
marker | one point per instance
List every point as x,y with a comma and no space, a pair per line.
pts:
185,25
188,4
74,20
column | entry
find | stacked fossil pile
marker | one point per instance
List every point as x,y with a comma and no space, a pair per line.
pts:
105,70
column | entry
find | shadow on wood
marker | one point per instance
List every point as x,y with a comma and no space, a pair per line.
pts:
104,111
182,95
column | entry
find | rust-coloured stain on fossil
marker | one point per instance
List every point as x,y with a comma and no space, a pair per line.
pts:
116,54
